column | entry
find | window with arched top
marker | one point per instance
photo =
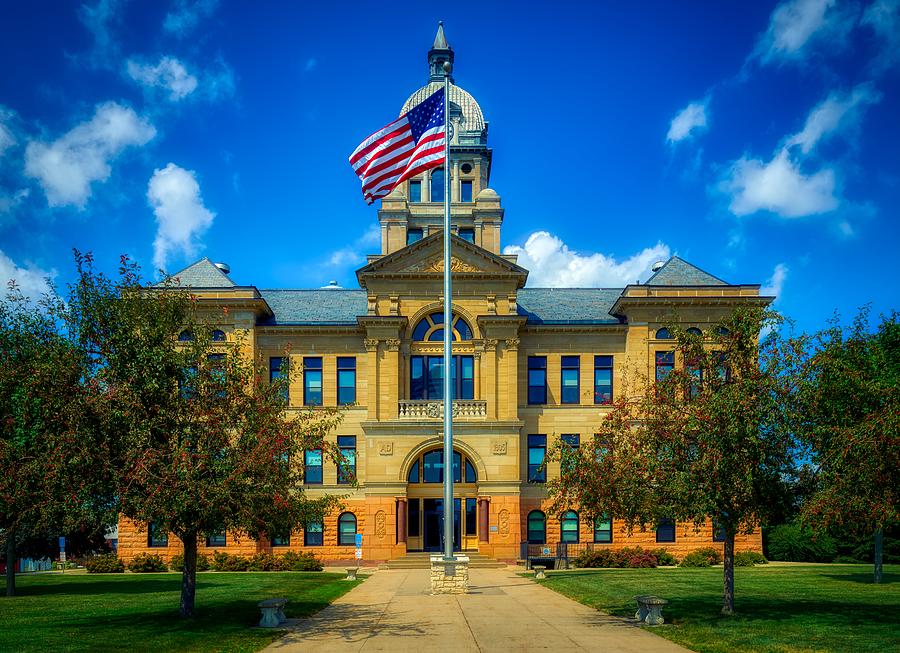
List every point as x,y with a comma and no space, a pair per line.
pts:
722,331
694,331
568,526
431,465
186,336
537,527
431,329
663,334
347,529
218,335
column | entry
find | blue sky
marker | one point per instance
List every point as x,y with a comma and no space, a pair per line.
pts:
759,140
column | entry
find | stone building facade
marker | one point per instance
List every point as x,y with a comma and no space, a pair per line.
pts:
532,365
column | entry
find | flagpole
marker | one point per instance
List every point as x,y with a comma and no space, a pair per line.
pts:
448,335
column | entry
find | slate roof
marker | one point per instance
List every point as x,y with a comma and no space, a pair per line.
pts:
202,274
568,305
321,306
678,272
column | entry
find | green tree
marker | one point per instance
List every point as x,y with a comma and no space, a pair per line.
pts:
848,414
708,440
205,442
51,451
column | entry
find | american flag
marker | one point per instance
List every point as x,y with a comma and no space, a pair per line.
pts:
411,144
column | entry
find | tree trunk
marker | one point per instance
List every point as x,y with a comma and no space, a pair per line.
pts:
189,575
879,549
10,562
728,572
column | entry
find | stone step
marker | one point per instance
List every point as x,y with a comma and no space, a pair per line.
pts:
422,560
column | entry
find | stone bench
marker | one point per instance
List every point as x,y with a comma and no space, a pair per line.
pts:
650,610
272,613
351,573
539,571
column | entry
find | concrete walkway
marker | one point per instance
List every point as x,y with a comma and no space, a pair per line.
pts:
393,610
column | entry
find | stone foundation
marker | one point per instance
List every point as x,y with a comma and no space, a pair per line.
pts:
449,576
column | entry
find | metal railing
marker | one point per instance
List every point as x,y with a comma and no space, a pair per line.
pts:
559,555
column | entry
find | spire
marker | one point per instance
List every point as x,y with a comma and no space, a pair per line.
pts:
439,53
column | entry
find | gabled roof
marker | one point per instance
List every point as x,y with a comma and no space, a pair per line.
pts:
678,272
567,305
202,274
326,307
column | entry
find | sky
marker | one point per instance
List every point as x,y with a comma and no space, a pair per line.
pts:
759,141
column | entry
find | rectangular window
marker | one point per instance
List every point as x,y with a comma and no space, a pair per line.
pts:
571,439
603,530
537,380
718,532
312,467
412,519
313,534
276,364
155,536
217,539
471,516
281,540
537,450
415,194
467,234
217,372
465,190
437,185
426,377
312,381
346,378
603,379
187,383
413,236
347,471
567,463
665,363
723,370
665,530
570,371
695,385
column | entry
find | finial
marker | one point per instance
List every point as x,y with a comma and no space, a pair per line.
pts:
440,41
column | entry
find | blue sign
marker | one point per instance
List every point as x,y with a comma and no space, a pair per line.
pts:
62,543
359,540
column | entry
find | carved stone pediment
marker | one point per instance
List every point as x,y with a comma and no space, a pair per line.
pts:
437,265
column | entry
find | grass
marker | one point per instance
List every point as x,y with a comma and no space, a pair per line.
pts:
139,612
784,608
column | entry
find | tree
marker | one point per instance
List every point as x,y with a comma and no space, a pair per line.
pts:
849,414
51,453
708,439
205,443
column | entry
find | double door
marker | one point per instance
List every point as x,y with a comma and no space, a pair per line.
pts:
429,522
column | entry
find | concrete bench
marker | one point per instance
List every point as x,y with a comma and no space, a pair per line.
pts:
272,613
351,573
650,610
539,571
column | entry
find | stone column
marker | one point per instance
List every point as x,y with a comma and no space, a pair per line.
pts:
511,361
484,520
373,371
401,521
391,394
489,385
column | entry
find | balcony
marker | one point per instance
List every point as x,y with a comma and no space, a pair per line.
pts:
463,409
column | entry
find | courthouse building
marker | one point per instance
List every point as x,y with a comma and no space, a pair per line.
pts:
531,366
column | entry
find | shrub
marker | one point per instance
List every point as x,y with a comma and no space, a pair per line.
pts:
595,559
664,558
144,563
849,560
696,559
105,564
267,562
226,562
176,562
301,561
749,559
792,543
635,558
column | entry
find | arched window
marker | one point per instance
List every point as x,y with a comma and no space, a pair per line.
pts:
186,336
347,529
722,331
537,527
431,329
694,331
218,335
471,475
663,334
432,465
568,526
413,476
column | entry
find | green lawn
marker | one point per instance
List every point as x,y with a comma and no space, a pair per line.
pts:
139,612
779,608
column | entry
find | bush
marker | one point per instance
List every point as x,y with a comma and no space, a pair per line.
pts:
637,558
176,562
267,562
226,562
749,559
634,558
849,560
696,559
595,559
301,561
144,563
105,564
664,558
792,543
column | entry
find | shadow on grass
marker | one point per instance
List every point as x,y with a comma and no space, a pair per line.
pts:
85,586
865,579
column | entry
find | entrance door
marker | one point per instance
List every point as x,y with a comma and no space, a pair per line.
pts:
433,524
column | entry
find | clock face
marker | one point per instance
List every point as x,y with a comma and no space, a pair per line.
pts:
451,130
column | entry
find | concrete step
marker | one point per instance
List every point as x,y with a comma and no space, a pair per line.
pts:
422,560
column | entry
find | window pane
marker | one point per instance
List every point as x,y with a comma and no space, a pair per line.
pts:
571,439
537,386
569,527
347,529
471,516
435,381
346,387
437,336
412,518
457,463
216,540
347,470
313,534
437,185
437,318
415,195
467,234
665,531
281,540
416,377
433,467
536,527
413,476
420,330
471,476
312,471
665,363
569,386
603,530
465,191
463,329
218,336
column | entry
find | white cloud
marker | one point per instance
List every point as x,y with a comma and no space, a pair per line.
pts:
68,166
11,201
30,279
356,252
186,15
883,18
169,74
691,119
181,217
796,24
778,186
838,111
552,264
775,284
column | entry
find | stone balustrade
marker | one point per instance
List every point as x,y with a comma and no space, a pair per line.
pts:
428,409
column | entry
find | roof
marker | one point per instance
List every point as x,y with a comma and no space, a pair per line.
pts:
678,272
568,305
202,274
472,118
310,307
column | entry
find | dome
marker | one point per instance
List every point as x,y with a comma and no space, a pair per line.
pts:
472,119
487,194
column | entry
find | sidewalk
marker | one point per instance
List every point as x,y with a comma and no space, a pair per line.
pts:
394,611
